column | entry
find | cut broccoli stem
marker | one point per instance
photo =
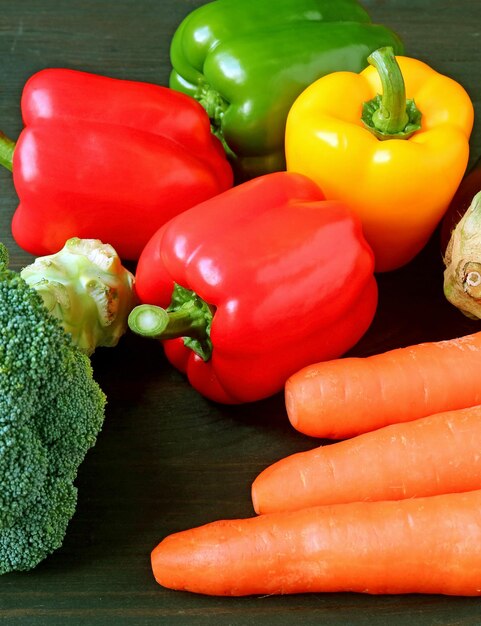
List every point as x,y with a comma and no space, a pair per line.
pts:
87,288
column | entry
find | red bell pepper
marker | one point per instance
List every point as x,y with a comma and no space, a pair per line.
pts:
258,282
107,159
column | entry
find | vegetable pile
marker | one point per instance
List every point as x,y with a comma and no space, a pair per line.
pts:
232,57
392,510
296,154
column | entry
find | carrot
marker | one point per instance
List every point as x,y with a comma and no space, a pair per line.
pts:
348,396
419,545
429,456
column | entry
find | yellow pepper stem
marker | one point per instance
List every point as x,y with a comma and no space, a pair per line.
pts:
390,115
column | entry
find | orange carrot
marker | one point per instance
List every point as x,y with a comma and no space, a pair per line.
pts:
348,396
429,456
419,545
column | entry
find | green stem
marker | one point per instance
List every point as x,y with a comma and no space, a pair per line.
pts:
7,147
158,323
213,103
188,317
215,107
390,115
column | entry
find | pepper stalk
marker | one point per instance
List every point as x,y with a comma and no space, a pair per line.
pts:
188,316
7,147
390,115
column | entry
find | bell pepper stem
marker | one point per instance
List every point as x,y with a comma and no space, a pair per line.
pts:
158,323
7,147
390,115
190,320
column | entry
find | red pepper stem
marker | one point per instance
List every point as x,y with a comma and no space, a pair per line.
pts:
7,147
155,322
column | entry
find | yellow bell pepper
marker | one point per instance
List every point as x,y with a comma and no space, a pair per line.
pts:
396,159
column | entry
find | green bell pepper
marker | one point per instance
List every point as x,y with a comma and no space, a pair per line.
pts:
246,61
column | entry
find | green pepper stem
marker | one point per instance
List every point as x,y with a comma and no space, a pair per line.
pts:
391,117
7,147
213,103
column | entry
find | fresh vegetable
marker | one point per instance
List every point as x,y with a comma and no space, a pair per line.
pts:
429,456
345,397
4,256
395,162
469,187
257,282
86,286
51,411
417,545
246,61
462,276
142,154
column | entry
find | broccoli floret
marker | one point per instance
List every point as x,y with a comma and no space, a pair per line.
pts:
51,411
4,256
86,286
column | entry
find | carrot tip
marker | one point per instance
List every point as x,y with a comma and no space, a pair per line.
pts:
255,502
291,407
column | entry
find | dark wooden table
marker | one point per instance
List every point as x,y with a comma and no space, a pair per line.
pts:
167,459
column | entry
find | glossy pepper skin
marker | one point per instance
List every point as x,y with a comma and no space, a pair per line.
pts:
109,159
400,187
287,276
246,61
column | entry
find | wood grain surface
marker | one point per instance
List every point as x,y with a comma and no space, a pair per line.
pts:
167,459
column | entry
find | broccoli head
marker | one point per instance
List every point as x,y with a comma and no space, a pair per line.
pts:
51,411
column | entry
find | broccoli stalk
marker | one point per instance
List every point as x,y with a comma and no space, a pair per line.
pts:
87,288
51,411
